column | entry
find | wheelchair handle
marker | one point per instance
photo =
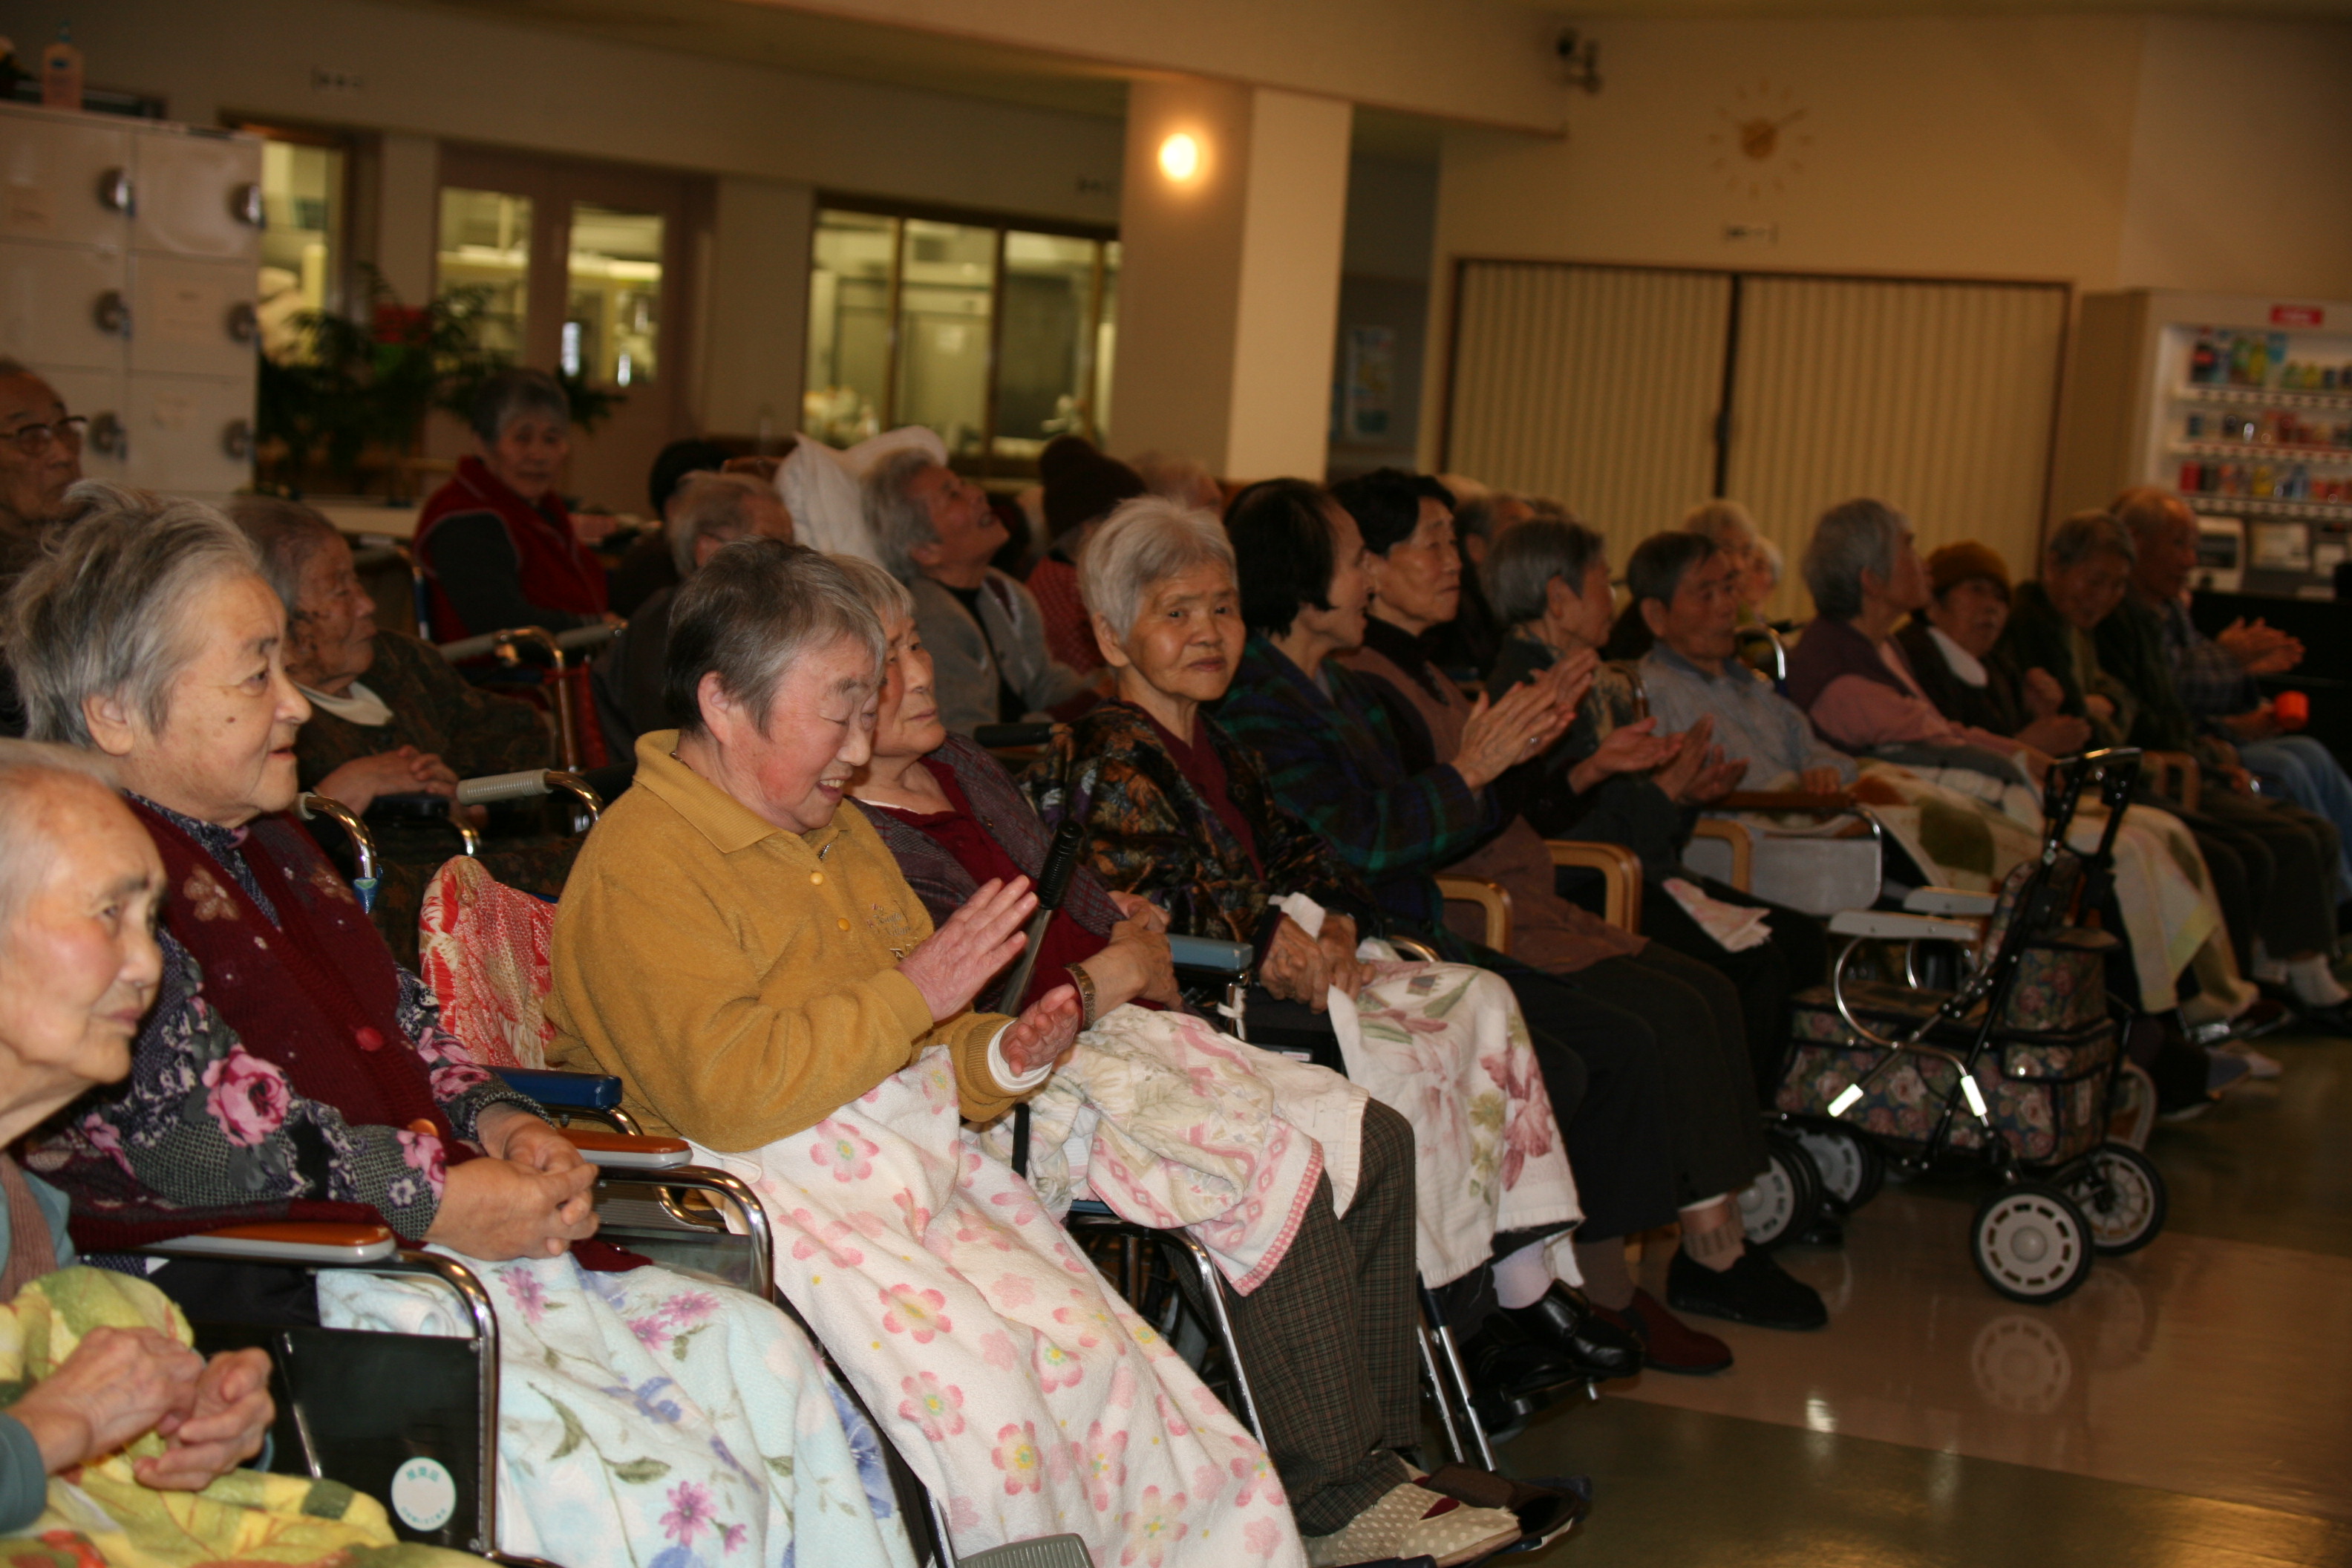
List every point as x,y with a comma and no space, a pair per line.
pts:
1208,952
528,784
585,639
310,805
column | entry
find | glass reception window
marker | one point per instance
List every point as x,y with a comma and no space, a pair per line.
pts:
486,243
999,337
302,197
612,296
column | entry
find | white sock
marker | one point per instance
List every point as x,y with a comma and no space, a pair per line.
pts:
1521,1280
2266,968
2315,984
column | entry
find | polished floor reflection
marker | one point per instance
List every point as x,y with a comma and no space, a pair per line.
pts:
2191,1403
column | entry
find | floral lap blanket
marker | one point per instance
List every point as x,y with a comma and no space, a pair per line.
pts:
1175,1125
1025,1395
104,1515
1444,1046
483,947
649,1419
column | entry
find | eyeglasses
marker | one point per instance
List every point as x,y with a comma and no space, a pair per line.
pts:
67,432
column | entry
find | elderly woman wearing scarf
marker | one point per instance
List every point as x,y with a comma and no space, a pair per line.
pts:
290,1069
124,1443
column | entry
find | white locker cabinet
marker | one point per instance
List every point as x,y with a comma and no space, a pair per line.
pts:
63,306
190,435
68,177
196,194
97,393
191,317
129,255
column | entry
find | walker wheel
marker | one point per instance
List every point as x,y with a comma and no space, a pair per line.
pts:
1850,1164
1778,1205
2121,1192
2031,1244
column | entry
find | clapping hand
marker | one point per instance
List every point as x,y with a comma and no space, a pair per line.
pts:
1044,1033
950,966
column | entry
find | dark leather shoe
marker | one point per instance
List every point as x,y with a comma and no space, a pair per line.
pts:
1753,1291
1570,1324
1504,1361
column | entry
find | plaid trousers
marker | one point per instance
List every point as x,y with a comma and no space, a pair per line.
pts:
1327,1340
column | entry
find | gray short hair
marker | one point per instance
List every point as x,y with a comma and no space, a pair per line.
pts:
1852,537
2087,533
288,534
1520,566
754,608
705,503
901,524
884,595
26,767
106,612
511,394
1721,521
1142,544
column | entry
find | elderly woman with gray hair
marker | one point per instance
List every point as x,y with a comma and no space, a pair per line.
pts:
292,1070
935,534
497,547
394,746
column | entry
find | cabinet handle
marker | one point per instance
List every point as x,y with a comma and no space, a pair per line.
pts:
237,439
114,190
244,321
112,314
245,205
106,435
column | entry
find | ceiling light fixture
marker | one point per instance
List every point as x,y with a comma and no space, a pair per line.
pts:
1180,157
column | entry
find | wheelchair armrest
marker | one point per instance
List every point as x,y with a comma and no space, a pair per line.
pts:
2176,774
1735,838
1949,901
321,1243
1493,900
622,1152
1620,875
1895,925
1785,800
565,1091
1210,954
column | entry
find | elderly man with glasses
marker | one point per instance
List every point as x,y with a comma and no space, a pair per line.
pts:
40,455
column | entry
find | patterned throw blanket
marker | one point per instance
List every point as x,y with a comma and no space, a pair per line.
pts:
1026,1396
102,1514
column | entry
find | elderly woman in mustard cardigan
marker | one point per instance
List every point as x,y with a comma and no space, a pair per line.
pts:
749,961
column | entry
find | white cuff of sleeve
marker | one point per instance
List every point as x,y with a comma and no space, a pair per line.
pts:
1001,1070
1304,910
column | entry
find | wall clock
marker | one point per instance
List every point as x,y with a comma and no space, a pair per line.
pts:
1760,141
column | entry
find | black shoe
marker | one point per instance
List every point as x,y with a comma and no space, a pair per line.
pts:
1753,1291
2335,1020
1510,1364
1565,1321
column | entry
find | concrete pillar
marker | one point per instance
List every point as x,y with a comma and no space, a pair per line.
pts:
1229,281
756,349
408,213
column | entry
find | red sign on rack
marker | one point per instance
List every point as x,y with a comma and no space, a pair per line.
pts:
2298,316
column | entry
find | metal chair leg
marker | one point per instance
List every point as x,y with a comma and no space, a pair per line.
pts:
1458,1380
1213,1287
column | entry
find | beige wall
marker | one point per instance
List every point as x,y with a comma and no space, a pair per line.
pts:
1292,242
756,353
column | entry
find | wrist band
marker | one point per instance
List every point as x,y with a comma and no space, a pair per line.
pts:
1086,985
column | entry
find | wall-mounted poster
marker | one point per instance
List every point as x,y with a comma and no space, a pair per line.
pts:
1370,383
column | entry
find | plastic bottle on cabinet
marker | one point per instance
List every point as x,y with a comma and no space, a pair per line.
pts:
2204,360
61,72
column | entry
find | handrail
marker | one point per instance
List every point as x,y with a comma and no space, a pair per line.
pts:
310,804
1492,898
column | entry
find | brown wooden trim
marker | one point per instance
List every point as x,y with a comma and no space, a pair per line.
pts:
1860,275
1452,366
2059,377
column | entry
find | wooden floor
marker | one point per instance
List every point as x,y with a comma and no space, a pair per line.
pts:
2191,1404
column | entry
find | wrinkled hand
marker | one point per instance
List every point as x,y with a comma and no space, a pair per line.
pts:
2059,734
1499,735
119,1384
1135,963
1044,1033
2099,706
1675,776
496,1209
510,1133
1136,907
2043,696
1572,676
1294,968
1718,778
2257,724
1341,967
223,1426
1634,748
404,772
2261,648
592,527
950,966
1820,781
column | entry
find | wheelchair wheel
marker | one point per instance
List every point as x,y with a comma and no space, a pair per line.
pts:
1850,1164
2121,1192
2031,1244
1778,1205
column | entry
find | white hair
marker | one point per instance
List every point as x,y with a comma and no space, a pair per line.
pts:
1141,544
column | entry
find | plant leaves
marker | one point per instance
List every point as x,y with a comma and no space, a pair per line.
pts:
637,1472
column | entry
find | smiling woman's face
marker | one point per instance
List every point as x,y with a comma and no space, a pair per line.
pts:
794,769
226,751
1187,636
77,960
907,721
